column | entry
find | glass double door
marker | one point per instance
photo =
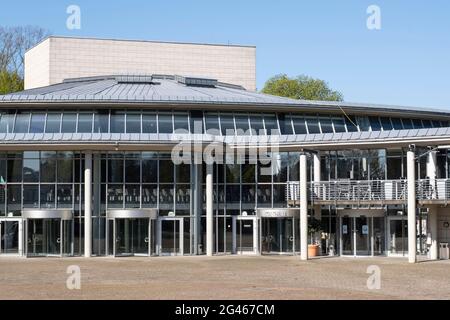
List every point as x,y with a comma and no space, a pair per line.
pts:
49,237
170,236
362,236
11,237
277,235
131,236
398,236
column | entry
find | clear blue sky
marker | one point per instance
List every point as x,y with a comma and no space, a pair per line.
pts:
407,62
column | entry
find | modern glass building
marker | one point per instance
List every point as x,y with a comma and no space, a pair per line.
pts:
171,165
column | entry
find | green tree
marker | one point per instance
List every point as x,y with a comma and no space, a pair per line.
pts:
10,82
302,87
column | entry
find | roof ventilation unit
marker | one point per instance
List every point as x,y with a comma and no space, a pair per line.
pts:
194,81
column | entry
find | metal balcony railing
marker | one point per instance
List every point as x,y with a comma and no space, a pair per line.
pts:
351,190
433,189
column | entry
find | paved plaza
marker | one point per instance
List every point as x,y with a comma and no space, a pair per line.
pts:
222,277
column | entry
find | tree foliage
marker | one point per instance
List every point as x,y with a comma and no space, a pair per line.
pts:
14,42
302,87
10,82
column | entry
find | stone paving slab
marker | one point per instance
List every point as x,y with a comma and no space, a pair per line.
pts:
222,277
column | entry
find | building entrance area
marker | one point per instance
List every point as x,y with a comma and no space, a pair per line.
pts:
245,235
48,233
11,236
361,235
170,236
277,235
131,232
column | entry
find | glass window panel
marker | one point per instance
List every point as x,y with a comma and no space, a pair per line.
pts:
166,194
48,166
294,166
166,171
132,196
426,123
375,124
232,172
149,195
264,172
84,123
165,123
69,123
271,124
248,193
101,122
444,124
285,124
417,124
53,123
31,170
227,124
64,195
133,123
212,123
117,122
47,195
7,123
181,121
313,125
339,125
115,196
299,125
15,170
21,125
436,123
115,170
264,193
149,124
14,197
397,123
351,124
149,170
37,123
183,196
31,196
386,123
183,172
248,173
280,167
233,193
257,124
407,123
326,125
133,170
364,124
65,170
242,123
279,196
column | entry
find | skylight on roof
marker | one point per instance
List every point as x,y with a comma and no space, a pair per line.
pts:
196,81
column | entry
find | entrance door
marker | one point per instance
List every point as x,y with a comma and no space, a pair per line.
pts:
398,236
11,236
245,235
170,236
357,236
277,235
132,236
44,237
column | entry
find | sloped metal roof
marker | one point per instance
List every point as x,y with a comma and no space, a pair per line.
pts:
163,89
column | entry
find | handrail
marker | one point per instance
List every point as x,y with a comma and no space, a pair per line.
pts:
370,190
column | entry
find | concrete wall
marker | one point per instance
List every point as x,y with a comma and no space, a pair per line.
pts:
37,65
58,58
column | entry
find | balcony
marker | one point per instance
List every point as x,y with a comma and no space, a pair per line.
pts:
370,192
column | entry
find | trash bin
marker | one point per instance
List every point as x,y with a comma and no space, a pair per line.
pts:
443,251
